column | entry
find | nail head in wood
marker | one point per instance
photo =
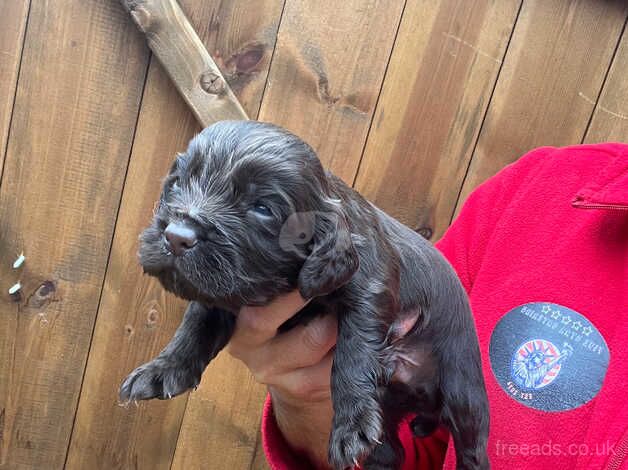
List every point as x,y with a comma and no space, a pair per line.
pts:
212,83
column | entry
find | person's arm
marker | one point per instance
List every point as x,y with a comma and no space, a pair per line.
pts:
296,366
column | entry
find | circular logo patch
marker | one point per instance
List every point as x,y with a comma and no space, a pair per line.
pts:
548,357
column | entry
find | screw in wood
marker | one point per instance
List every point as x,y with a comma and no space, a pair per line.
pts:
212,83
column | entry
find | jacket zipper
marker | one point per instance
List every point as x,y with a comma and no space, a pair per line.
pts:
615,461
618,457
583,205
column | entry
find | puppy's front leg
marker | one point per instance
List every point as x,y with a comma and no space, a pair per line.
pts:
202,333
358,422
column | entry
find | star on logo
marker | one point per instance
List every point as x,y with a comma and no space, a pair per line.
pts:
587,330
576,325
566,320
555,314
546,308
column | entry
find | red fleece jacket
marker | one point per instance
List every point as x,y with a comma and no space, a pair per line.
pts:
542,250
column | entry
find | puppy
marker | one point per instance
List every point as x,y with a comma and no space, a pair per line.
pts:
247,213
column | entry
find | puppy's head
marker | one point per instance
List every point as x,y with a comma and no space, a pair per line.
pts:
245,215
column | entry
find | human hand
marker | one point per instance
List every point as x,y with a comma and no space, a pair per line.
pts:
296,367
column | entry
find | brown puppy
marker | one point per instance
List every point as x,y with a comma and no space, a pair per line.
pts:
247,214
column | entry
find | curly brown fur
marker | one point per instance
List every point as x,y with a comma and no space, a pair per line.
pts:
268,219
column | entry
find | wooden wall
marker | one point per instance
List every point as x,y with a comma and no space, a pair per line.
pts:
415,102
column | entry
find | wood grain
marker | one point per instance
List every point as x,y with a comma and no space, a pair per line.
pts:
544,94
259,460
75,112
221,424
183,55
327,73
435,93
610,117
241,37
12,26
136,318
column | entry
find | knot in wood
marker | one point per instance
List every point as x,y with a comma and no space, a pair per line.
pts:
44,294
46,289
212,83
152,317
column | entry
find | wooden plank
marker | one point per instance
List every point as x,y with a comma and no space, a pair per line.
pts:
12,26
221,423
327,73
610,118
75,112
136,318
177,46
259,460
446,59
560,52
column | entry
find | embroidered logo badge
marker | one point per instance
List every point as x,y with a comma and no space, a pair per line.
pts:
548,357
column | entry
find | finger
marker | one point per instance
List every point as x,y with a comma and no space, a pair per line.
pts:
307,383
304,345
256,325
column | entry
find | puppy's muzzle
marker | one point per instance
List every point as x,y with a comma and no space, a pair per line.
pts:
180,238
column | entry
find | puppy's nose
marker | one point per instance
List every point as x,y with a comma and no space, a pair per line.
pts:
180,237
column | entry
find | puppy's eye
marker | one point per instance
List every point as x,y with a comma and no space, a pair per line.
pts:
262,209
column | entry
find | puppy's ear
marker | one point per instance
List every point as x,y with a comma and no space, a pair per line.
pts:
333,259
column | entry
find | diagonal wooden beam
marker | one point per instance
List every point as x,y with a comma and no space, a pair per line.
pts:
179,49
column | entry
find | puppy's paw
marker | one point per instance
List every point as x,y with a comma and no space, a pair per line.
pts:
160,378
354,435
